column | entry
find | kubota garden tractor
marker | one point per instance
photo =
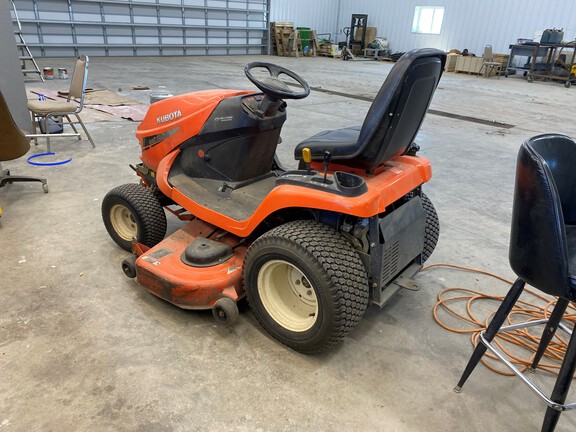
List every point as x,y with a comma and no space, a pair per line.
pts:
309,248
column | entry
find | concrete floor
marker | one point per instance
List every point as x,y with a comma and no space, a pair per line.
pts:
83,348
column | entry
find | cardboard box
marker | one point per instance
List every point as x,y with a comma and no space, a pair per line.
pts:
371,33
451,62
468,64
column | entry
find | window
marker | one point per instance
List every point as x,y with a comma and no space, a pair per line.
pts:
428,19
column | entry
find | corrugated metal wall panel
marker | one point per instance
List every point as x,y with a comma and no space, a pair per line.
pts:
144,27
320,15
468,24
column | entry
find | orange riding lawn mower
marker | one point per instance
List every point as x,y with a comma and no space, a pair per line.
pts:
309,248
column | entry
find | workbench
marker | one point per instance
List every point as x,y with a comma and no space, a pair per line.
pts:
532,51
533,68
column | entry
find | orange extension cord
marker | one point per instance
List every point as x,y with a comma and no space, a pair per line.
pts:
506,341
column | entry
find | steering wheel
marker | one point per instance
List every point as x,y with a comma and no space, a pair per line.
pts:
272,85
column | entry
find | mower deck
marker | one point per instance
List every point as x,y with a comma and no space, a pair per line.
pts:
163,271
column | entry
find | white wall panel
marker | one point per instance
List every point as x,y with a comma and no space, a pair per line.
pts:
468,24
320,15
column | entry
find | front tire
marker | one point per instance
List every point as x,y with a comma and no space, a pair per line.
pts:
306,285
132,211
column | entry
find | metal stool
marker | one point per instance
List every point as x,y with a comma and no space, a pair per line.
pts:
543,254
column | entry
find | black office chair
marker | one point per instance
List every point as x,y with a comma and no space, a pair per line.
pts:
13,144
543,254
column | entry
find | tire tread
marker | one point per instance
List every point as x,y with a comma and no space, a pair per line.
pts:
432,228
147,207
340,264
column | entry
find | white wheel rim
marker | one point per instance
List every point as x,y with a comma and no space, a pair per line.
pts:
287,295
123,222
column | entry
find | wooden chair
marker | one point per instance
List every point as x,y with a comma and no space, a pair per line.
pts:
489,65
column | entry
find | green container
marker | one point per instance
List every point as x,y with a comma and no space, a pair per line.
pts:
304,35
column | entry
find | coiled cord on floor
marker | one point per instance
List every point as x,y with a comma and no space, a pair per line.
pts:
449,298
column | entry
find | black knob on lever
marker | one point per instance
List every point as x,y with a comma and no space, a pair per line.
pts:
327,159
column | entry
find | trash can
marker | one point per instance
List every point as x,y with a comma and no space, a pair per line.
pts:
305,36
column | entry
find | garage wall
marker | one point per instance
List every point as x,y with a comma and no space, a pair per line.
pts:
216,27
144,27
468,24
320,15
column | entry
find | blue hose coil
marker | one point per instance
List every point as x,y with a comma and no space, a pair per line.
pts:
31,162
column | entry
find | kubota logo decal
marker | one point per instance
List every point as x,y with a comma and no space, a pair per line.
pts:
168,117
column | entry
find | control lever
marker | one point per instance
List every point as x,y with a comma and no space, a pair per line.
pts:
327,159
307,158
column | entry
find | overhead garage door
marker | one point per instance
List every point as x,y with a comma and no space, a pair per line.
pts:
62,28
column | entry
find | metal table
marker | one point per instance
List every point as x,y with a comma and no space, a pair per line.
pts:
562,59
533,52
545,69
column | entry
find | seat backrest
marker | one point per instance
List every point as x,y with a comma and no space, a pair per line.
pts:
488,56
79,79
544,202
399,107
13,142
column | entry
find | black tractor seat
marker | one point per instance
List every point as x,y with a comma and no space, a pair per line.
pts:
342,143
394,117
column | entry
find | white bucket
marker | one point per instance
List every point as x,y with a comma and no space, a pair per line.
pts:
62,73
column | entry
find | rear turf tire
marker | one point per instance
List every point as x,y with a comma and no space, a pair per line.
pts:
432,228
306,285
133,211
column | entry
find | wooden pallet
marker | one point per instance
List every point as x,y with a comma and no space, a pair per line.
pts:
328,55
466,72
287,41
293,45
279,34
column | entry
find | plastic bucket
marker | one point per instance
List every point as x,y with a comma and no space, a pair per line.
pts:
48,73
55,125
62,73
160,94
